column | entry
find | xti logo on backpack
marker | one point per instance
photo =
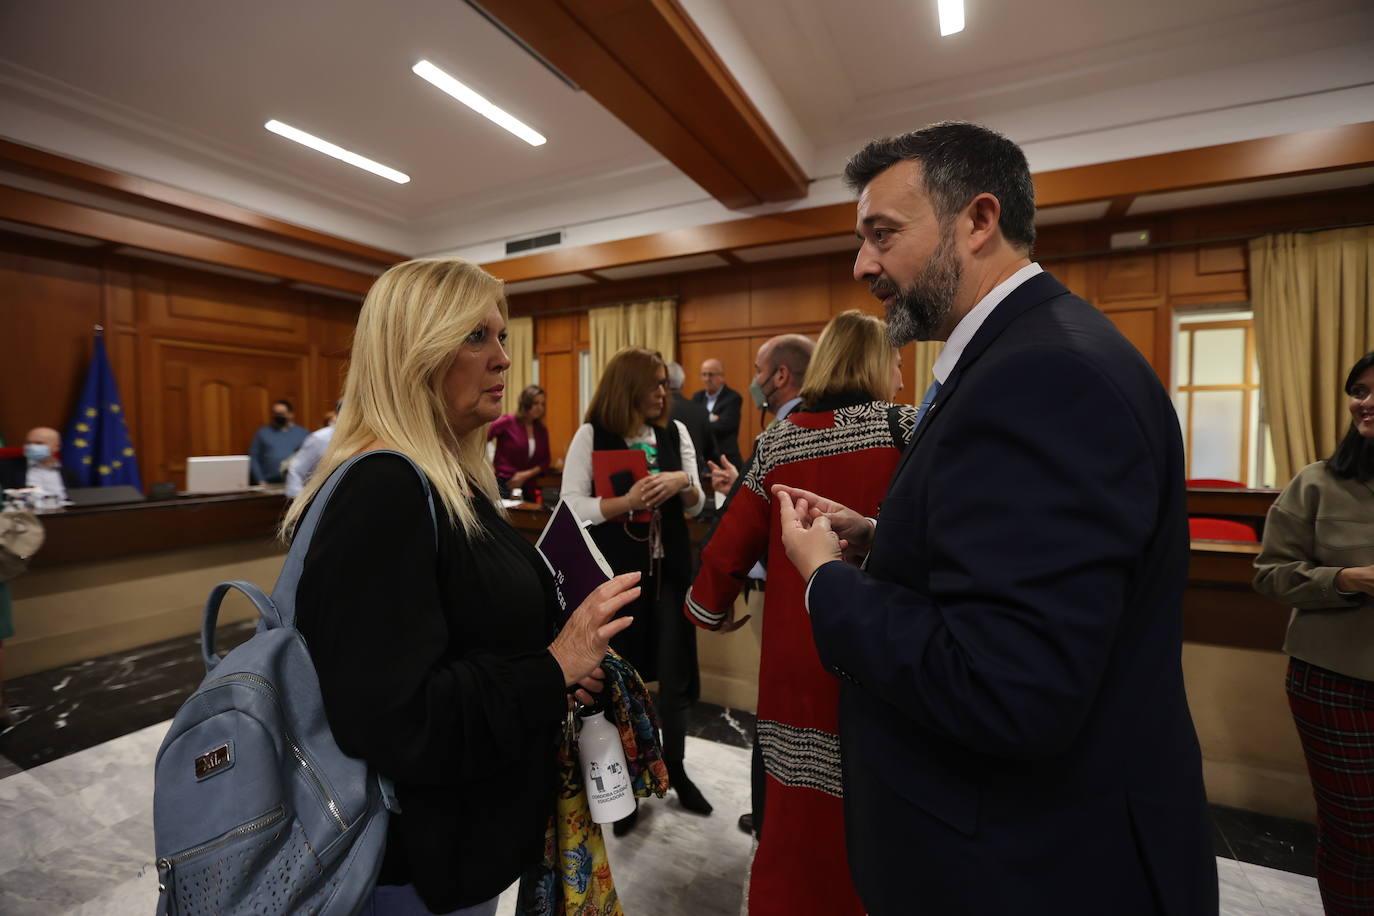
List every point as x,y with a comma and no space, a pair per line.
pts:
255,808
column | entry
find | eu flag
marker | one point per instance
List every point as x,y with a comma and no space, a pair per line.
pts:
97,444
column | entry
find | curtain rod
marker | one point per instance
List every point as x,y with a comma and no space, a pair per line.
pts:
1161,246
577,309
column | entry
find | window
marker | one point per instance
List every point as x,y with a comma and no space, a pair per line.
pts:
1216,393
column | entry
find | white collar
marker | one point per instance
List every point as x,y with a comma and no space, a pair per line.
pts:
968,325
787,407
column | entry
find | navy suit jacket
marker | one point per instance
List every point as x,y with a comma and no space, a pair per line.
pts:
725,428
1014,728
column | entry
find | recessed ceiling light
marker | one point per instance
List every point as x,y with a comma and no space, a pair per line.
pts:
338,152
427,71
951,17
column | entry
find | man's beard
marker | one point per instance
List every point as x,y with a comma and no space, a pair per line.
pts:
919,311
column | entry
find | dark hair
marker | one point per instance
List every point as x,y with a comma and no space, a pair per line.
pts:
1354,457
285,403
958,161
526,401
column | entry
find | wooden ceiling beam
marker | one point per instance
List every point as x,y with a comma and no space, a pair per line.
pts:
49,212
71,173
1351,146
646,62
1301,153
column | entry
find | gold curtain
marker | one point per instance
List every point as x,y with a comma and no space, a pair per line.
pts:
612,328
923,368
1314,316
520,349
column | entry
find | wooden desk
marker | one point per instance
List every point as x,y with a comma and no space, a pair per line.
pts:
1220,607
83,534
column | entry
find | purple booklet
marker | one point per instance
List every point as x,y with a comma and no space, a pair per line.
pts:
573,559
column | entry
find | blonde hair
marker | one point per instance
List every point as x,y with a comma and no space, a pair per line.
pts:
411,325
615,405
852,355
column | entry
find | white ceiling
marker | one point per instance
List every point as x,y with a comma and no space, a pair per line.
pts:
178,90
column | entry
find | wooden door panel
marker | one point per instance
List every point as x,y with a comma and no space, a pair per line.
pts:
558,378
215,398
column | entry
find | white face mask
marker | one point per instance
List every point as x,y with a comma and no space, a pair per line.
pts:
37,452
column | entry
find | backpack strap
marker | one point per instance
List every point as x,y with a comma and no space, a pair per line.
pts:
284,592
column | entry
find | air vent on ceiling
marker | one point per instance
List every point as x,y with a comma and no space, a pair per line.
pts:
547,240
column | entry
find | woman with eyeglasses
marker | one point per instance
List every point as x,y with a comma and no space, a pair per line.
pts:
1318,557
644,529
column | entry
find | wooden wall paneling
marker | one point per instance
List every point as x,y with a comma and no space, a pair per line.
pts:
1077,274
79,219
712,302
1208,274
48,308
331,334
846,292
789,294
555,334
1129,280
220,395
558,378
584,331
198,306
143,191
1139,327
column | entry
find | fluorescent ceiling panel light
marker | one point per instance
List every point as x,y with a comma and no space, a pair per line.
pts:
338,152
427,71
951,16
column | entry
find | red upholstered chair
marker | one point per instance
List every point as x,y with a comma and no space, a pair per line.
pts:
1214,482
1219,529
12,451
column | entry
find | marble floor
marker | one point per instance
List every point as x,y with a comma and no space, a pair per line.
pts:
76,804
78,839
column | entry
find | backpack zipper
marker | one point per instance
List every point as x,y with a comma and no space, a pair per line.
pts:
167,863
330,804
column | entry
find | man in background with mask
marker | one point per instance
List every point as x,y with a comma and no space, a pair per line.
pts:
39,467
779,373
275,443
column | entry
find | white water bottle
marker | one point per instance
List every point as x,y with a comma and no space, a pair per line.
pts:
604,773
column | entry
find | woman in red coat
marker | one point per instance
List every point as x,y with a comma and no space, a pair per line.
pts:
846,436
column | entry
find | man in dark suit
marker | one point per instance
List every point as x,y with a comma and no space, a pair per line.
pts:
1014,729
697,421
724,405
39,466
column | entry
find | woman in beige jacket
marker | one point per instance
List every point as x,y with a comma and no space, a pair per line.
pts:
1318,556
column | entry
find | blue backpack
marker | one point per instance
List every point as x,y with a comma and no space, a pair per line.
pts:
255,808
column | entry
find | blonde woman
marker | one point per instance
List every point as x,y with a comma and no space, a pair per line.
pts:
440,667
630,410
846,435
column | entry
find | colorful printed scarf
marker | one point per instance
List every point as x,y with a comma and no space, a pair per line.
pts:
575,877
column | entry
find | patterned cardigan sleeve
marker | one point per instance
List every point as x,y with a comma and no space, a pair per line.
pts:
739,541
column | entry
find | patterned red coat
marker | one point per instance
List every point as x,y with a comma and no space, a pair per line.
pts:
846,453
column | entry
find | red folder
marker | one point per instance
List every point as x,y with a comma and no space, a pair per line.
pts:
610,461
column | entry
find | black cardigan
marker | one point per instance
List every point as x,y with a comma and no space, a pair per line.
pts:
435,669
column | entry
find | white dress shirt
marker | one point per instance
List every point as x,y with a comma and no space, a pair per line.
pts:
306,459
958,339
47,479
579,488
